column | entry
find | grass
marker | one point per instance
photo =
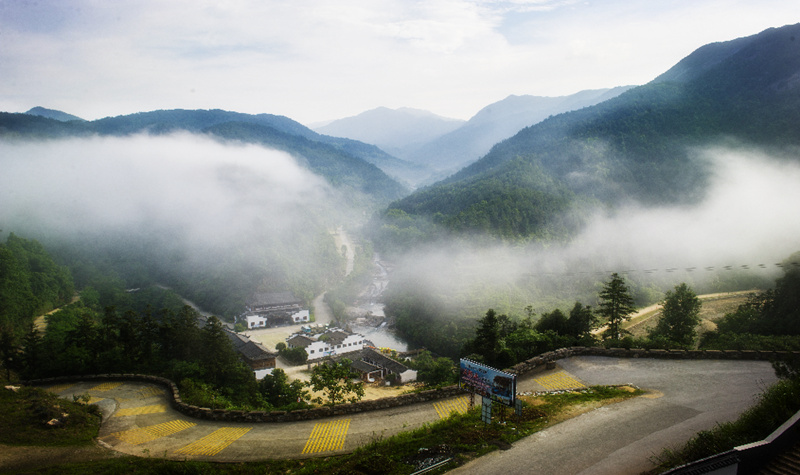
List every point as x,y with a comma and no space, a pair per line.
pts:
32,416
461,437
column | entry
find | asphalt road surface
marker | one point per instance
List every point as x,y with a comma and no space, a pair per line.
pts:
684,397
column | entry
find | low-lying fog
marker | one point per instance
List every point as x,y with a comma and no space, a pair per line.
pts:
203,196
750,216
195,187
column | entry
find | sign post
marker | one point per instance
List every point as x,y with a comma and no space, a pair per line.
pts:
490,383
486,410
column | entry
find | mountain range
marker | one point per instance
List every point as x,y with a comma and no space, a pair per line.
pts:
442,145
634,147
348,164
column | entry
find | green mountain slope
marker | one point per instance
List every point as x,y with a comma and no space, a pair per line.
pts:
637,146
342,162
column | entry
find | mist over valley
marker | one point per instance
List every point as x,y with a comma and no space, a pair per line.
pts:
665,183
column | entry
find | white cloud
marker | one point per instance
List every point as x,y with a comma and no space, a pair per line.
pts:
199,190
313,60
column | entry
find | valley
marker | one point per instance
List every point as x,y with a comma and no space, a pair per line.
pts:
654,218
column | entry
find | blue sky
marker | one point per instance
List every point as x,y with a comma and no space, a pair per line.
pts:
314,60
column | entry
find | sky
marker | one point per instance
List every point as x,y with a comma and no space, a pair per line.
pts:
318,60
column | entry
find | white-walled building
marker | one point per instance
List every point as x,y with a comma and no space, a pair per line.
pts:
331,343
303,316
256,321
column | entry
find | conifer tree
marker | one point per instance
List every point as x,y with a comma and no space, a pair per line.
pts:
615,307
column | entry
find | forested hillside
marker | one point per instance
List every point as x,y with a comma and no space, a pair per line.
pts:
638,146
346,163
30,283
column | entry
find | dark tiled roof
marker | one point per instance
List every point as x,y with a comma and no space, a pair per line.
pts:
256,351
363,366
299,340
379,359
237,339
336,337
274,298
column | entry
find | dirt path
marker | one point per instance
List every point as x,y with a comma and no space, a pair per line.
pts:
642,318
714,307
40,322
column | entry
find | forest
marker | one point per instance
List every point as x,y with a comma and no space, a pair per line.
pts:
640,146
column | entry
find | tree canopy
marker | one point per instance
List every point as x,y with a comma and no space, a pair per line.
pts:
616,305
680,316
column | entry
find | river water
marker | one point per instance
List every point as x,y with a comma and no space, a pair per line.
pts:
370,304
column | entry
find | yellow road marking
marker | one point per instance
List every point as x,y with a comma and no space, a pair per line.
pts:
559,380
106,386
445,408
141,435
214,442
60,387
135,411
93,399
327,436
151,391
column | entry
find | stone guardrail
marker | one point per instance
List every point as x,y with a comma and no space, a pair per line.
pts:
533,365
545,360
173,394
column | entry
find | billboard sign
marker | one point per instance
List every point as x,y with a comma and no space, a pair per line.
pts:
488,382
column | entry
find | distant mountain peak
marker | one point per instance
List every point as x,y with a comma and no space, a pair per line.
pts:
52,114
392,130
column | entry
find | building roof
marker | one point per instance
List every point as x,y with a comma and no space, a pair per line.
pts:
237,339
379,359
335,337
274,298
300,340
256,351
363,366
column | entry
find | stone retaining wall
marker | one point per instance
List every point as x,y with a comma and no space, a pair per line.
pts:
545,360
261,416
531,366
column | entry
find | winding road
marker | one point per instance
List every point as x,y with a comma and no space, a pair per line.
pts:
683,397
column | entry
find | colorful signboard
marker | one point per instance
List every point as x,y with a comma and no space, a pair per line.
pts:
488,382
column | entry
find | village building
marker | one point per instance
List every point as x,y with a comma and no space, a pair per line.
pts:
254,354
274,309
373,366
331,343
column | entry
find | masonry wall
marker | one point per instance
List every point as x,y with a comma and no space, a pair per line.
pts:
531,366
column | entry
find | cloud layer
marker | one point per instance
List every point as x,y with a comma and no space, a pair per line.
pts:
749,218
190,188
313,60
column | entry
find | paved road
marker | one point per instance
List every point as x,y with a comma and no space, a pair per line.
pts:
689,396
686,397
139,421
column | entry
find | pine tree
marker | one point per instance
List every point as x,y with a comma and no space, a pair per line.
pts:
680,316
616,305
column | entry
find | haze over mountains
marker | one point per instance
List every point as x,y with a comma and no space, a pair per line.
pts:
637,152
640,146
445,145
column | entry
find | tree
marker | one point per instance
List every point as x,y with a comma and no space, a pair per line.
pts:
616,305
432,371
279,391
334,381
8,350
555,321
680,316
581,322
296,356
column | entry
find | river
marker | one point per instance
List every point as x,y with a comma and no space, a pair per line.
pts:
369,304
